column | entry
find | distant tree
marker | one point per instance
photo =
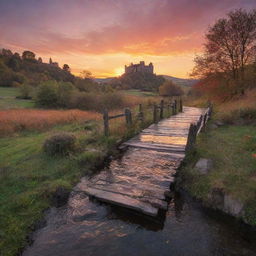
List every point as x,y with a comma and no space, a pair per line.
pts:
86,74
66,68
86,85
17,56
141,80
40,60
230,46
168,88
47,94
6,52
64,93
28,55
14,63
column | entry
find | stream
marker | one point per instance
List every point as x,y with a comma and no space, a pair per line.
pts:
87,228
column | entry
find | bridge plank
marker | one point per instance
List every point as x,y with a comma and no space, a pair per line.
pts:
142,178
122,200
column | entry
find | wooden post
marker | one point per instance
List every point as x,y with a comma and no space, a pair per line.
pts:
106,122
191,138
141,115
173,110
205,119
168,109
155,114
128,117
175,107
162,109
181,106
198,125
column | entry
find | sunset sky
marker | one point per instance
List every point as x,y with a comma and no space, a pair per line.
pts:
104,35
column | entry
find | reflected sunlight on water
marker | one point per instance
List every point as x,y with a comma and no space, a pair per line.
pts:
163,139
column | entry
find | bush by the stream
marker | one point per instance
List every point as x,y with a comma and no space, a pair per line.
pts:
60,144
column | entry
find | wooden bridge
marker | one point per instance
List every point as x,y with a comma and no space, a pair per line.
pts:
142,179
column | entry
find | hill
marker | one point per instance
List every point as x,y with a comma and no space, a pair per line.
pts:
181,81
16,69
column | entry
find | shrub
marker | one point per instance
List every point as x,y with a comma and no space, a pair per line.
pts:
60,144
47,94
25,92
64,92
82,100
90,158
98,101
168,88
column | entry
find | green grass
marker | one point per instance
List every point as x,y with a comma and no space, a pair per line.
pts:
29,178
8,99
232,150
140,93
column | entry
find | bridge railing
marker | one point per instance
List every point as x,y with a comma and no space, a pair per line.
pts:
194,129
157,112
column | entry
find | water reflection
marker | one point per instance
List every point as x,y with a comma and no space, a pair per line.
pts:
163,139
186,230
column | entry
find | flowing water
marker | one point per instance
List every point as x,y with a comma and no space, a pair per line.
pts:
85,228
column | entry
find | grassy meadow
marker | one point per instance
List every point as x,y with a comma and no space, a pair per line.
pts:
29,177
8,99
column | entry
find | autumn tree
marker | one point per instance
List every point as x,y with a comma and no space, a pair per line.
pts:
168,88
230,46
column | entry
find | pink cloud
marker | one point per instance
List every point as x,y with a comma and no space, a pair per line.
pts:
156,27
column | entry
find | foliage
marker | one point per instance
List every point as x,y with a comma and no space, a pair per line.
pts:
28,55
25,92
227,64
86,85
47,94
139,80
66,68
27,68
230,44
64,92
98,102
60,144
168,88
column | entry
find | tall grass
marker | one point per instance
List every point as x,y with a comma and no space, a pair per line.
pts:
242,108
18,120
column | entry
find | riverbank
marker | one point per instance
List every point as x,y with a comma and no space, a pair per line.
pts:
228,183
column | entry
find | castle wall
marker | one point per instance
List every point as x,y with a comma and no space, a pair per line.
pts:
141,67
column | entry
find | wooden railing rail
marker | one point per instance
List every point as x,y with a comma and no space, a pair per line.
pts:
159,111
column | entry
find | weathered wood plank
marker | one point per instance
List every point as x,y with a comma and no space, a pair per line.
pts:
141,179
121,200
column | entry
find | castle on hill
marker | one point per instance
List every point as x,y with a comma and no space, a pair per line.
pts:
141,67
